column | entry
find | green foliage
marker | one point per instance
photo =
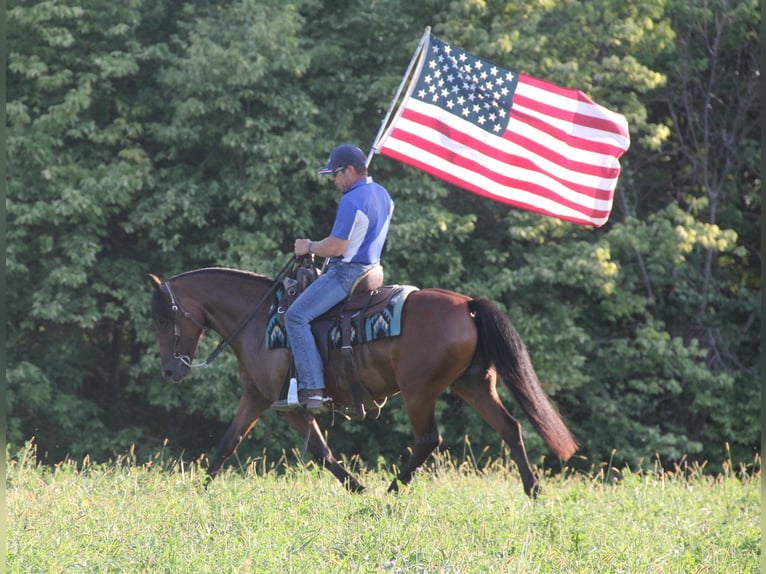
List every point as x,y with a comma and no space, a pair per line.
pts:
158,137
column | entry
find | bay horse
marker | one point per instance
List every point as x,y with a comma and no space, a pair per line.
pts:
447,340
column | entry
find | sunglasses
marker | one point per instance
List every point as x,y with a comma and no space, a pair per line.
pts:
334,173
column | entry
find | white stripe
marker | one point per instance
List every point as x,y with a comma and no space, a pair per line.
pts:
577,130
546,140
356,236
506,146
511,193
570,105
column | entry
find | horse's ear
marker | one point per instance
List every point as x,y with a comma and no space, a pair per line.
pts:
153,280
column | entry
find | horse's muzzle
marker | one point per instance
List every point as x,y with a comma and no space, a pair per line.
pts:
175,370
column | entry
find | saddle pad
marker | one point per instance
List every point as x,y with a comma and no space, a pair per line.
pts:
380,325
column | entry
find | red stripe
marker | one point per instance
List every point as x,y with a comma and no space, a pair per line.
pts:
600,123
505,181
510,159
585,144
591,217
570,93
574,118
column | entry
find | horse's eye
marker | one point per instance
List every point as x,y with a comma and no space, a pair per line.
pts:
162,321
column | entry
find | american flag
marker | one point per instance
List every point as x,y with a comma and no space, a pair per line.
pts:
508,136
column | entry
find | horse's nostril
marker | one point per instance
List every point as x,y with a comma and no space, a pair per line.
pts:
167,373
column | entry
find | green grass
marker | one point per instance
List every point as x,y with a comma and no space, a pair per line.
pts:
157,518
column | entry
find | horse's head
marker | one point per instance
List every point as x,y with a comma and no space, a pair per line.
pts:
179,326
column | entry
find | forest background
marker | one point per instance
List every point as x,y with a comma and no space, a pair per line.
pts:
162,136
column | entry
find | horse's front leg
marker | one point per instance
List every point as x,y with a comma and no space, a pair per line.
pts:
304,422
248,412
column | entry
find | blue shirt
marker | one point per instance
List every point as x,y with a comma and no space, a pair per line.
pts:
363,217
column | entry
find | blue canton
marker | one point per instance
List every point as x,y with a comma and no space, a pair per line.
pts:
471,88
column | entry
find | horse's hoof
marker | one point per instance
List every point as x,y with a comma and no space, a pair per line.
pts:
534,491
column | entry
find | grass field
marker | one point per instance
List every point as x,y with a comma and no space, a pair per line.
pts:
157,518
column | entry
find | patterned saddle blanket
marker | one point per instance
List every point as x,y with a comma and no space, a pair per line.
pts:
361,319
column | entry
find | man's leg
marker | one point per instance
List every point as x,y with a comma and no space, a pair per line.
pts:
319,297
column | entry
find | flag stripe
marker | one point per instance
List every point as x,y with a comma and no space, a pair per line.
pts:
521,197
575,129
508,136
555,144
502,186
522,148
453,146
536,89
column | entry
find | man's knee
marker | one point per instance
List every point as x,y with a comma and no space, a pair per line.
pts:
294,319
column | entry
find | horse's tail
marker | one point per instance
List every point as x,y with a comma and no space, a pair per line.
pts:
500,345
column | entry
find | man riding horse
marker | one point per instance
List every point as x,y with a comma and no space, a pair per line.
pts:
353,247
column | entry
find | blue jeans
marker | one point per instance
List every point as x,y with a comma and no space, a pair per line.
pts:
323,294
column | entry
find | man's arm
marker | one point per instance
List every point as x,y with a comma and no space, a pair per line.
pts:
330,246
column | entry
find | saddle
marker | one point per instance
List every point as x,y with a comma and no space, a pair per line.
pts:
338,327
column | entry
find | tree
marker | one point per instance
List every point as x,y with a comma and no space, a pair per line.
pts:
158,137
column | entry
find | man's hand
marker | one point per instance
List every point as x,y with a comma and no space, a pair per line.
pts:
302,247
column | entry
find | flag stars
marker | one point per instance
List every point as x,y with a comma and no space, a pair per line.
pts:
466,86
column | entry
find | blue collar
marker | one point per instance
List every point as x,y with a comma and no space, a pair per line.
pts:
359,182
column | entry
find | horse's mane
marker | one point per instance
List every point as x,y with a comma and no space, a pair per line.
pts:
239,273
161,303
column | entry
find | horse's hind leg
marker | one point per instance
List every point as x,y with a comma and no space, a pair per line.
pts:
303,422
427,439
482,395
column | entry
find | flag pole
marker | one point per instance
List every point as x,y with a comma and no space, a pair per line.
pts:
384,123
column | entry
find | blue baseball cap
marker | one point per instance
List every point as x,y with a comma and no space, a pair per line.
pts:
343,156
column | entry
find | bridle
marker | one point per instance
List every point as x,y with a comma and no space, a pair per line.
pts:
175,306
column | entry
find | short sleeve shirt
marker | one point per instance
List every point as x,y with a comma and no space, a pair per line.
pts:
363,217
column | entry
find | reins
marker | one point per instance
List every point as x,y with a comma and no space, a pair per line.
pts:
225,341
